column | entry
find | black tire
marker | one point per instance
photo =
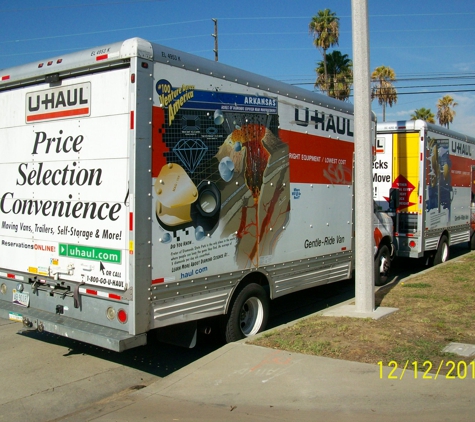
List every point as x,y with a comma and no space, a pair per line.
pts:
471,243
248,314
382,264
442,254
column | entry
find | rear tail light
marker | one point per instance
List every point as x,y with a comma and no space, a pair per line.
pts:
122,316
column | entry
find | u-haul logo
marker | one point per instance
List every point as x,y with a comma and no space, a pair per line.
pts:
59,103
380,145
460,148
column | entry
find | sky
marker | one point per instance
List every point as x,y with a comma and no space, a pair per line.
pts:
429,44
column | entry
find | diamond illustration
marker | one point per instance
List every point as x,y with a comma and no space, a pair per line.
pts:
190,152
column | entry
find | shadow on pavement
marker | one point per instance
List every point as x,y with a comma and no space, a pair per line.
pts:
161,359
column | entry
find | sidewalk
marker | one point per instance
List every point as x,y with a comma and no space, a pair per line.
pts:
242,382
250,383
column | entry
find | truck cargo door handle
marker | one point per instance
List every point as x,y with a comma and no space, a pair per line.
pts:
77,299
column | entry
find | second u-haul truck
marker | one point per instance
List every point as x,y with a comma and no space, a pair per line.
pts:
145,188
433,170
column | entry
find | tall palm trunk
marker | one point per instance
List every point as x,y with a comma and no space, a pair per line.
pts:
326,71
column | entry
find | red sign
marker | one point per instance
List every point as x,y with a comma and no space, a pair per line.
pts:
405,189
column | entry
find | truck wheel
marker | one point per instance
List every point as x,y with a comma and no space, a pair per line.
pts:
471,244
382,263
248,314
442,254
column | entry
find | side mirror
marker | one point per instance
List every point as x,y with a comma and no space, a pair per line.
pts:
393,199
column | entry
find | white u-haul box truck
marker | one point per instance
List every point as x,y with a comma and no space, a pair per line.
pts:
142,188
433,169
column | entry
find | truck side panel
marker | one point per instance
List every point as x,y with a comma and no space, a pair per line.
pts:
243,181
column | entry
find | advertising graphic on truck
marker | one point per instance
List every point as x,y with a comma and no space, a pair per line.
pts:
148,189
221,181
62,197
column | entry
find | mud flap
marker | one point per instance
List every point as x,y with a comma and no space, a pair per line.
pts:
183,335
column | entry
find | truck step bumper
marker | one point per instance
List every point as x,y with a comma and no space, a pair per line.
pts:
86,332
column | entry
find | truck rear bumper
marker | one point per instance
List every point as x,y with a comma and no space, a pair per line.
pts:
86,332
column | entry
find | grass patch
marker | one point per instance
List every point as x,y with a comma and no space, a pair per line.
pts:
435,308
416,285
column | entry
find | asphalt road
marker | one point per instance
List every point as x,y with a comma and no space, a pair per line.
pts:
46,377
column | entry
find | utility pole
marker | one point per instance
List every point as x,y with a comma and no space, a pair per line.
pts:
215,36
364,286
364,274
364,261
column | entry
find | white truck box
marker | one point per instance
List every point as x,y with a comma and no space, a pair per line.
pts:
145,188
433,169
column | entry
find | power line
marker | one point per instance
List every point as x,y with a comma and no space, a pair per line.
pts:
436,92
105,31
66,6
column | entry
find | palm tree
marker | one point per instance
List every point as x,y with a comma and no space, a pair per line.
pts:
338,82
383,89
423,114
325,28
445,111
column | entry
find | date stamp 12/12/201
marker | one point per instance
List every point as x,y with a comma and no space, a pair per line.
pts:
425,370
